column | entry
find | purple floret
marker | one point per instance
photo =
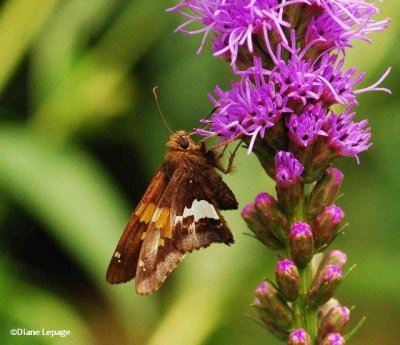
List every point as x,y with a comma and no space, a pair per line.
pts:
288,168
345,137
305,128
300,229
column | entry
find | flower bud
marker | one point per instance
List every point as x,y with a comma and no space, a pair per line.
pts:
318,162
288,172
267,320
335,257
334,321
324,309
333,339
288,279
299,337
263,233
272,305
324,284
327,226
325,192
272,216
301,244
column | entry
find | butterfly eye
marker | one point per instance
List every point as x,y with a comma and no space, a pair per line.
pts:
184,143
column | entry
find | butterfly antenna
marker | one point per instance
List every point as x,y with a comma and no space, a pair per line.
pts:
159,108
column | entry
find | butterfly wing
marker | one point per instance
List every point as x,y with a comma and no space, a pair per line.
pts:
197,220
185,219
158,257
122,267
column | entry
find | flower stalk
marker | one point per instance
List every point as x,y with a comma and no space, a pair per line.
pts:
288,58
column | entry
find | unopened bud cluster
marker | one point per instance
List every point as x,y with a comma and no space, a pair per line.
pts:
274,221
299,224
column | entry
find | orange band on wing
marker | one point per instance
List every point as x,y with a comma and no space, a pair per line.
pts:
148,213
167,230
162,218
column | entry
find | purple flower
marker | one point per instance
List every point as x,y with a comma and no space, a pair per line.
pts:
305,128
285,266
249,24
345,137
288,168
301,243
270,300
327,226
288,279
336,27
262,98
234,23
301,230
299,337
271,215
332,272
304,81
333,339
354,16
333,321
266,220
325,192
324,284
324,33
335,214
251,107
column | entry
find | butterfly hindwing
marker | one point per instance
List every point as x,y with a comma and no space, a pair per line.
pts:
122,267
197,219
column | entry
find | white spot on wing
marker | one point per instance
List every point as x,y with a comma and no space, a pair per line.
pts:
199,210
192,228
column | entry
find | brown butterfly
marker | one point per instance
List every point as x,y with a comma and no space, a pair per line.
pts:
179,212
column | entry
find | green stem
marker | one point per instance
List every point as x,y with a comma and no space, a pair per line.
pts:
305,316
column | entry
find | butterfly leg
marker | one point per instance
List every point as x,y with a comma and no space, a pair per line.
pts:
229,167
222,152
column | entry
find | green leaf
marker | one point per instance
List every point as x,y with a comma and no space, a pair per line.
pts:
20,21
33,308
67,190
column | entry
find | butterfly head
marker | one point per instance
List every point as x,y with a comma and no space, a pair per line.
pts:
181,141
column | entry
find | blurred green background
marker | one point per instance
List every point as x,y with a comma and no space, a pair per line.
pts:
80,138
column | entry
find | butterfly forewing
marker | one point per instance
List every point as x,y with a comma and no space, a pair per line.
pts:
122,267
158,256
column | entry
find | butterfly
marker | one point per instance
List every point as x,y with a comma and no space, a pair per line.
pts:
179,213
